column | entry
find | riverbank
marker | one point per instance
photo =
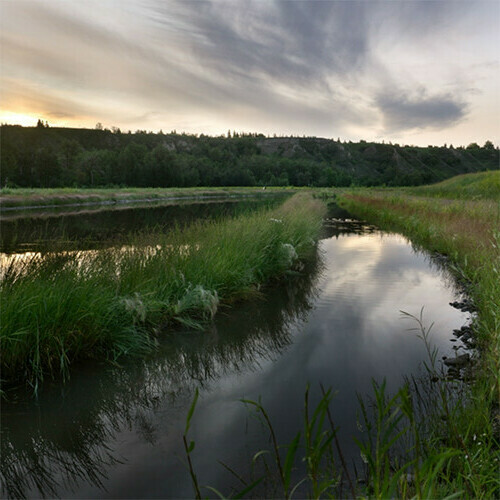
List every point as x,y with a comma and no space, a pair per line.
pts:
24,198
459,219
107,304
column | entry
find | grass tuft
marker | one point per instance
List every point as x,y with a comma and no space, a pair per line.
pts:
62,306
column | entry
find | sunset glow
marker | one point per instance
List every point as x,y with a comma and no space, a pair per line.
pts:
18,119
412,72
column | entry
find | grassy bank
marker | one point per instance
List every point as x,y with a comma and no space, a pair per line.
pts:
114,302
29,197
480,186
459,218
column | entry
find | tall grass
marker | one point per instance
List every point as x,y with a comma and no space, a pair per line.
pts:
466,228
114,302
41,463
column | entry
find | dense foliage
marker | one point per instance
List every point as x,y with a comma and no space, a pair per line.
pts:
61,157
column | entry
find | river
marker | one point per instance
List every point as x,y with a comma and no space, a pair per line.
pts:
116,431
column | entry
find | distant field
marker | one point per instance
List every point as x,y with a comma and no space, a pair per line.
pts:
28,197
478,186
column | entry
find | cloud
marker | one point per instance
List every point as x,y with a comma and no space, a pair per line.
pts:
302,67
402,111
25,97
283,63
294,42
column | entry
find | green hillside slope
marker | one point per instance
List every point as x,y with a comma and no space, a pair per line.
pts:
482,185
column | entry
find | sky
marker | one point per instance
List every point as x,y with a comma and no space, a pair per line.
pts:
410,72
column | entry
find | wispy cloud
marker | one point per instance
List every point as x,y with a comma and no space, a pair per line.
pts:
314,67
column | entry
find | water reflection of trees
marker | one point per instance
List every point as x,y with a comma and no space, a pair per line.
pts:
339,222
104,226
65,438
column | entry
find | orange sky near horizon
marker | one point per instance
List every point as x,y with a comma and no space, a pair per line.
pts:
407,72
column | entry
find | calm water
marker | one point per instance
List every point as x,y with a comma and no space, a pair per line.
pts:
116,432
93,226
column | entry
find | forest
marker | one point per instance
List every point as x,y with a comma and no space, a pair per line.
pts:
44,156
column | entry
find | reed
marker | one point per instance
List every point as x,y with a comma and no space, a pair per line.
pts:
106,304
312,446
412,443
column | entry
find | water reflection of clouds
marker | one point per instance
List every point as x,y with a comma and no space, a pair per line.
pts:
341,336
384,276
341,347
353,334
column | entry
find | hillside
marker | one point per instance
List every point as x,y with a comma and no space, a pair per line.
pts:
55,157
479,186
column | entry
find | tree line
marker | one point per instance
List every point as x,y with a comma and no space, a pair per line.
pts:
43,156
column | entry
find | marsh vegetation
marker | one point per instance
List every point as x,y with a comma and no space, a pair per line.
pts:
460,220
139,324
61,306
332,321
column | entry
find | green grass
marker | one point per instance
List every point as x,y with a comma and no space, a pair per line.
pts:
433,438
459,218
480,186
111,303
